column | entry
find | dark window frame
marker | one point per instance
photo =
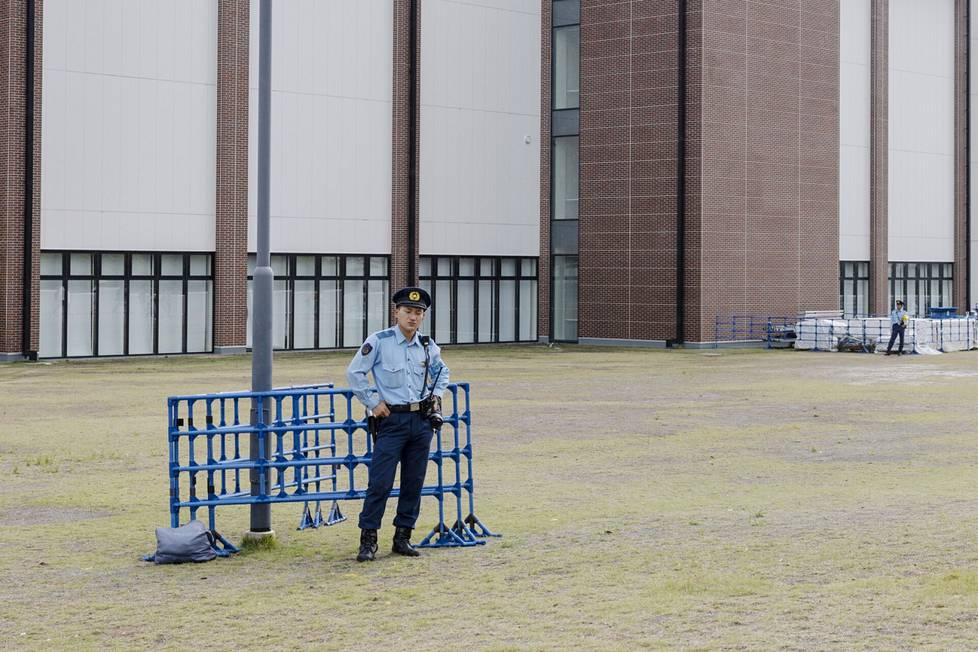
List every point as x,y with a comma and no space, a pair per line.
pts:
95,276
945,272
429,278
857,278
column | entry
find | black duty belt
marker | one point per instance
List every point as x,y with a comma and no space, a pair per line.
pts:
407,407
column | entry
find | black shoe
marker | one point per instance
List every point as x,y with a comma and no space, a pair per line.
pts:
368,545
402,543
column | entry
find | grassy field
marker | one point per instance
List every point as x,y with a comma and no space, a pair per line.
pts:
650,499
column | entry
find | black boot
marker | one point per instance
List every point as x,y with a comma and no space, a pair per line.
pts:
368,545
402,542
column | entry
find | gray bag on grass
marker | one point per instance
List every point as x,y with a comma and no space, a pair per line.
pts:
190,542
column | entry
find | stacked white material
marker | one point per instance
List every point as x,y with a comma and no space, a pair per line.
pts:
954,334
870,330
821,334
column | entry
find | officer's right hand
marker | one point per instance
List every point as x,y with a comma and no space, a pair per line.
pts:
381,411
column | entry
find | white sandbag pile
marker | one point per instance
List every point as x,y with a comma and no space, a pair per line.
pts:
927,336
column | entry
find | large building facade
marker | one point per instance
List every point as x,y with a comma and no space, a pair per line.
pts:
589,171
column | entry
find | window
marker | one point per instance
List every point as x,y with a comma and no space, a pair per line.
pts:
566,177
113,303
854,288
567,67
922,286
565,298
488,299
325,301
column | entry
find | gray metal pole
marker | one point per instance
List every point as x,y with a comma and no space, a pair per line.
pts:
261,356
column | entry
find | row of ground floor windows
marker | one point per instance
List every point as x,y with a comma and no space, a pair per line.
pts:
98,304
921,286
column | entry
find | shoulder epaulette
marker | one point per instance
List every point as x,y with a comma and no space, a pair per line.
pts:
382,334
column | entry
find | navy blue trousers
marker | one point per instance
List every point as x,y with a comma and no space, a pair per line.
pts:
895,331
405,438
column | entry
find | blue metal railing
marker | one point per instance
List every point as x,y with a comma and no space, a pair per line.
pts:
314,456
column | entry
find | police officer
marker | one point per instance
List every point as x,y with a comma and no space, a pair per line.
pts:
402,362
898,325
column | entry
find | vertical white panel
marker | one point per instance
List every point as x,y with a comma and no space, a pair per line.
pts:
129,125
921,130
480,103
331,141
973,157
854,125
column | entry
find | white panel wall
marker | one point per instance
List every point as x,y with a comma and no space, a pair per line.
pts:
921,115
332,78
973,162
480,103
129,125
854,116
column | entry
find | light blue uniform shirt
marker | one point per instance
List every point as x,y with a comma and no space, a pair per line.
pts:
398,368
896,317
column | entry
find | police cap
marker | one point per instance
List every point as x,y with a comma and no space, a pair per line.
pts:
411,296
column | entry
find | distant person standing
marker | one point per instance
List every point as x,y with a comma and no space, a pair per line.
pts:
898,326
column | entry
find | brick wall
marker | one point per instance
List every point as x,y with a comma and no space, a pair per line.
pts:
961,268
768,218
629,81
879,268
231,228
13,48
401,146
543,286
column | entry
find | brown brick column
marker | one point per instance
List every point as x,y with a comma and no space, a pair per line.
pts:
543,272
231,218
401,152
699,311
962,273
13,163
879,264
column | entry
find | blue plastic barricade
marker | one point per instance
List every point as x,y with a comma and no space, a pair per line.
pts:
317,452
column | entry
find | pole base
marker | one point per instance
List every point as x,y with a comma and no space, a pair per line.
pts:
259,537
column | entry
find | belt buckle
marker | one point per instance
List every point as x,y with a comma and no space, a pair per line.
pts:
415,407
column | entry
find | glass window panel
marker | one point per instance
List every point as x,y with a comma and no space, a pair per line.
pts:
487,310
329,294
304,314
171,316
140,317
354,266
200,265
566,177
353,326
862,305
378,266
466,266
252,263
443,319
507,267
305,265
171,265
444,267
329,266
946,290
199,316
424,266
52,314
529,267
81,265
465,312
111,316
507,311
528,310
80,298
935,269
280,313
565,298
486,267
377,306
935,294
912,269
567,62
142,264
113,265
948,272
51,264
279,265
